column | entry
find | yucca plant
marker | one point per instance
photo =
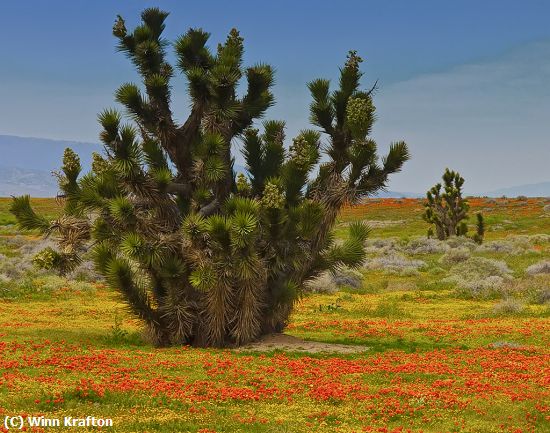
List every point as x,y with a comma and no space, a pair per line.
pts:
480,229
447,211
200,254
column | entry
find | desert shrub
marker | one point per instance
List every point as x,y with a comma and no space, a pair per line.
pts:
455,256
539,239
513,246
537,289
479,277
86,271
461,242
508,306
323,283
542,267
347,277
426,246
540,295
395,263
331,282
383,246
20,261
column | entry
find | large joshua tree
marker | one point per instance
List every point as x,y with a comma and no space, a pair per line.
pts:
201,255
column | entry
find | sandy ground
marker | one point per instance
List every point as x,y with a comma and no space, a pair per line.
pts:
289,343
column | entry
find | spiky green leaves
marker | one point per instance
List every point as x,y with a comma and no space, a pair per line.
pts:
67,180
258,97
321,109
129,95
203,278
110,121
192,51
102,254
122,210
135,247
154,19
144,46
243,228
346,115
214,169
396,157
352,252
303,156
120,276
264,153
309,216
25,215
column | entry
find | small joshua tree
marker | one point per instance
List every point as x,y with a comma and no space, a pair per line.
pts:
480,229
201,255
445,208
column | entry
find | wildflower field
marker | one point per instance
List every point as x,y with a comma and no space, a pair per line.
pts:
449,336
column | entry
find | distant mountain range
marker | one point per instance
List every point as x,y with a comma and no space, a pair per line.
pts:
19,181
541,189
397,194
26,166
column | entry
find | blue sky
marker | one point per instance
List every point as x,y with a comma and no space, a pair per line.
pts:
466,83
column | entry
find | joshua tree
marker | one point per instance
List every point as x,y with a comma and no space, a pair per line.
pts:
480,229
446,209
201,255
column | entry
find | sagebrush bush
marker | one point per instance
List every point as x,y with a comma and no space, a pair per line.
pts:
542,267
331,282
479,277
323,283
540,239
461,242
508,306
383,246
395,263
455,256
513,245
347,277
424,245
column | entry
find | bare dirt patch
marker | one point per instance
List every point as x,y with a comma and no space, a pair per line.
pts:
294,344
